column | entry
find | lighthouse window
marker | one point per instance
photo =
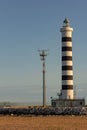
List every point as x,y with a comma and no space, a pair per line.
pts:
54,104
80,103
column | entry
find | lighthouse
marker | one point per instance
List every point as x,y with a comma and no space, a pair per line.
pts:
66,59
66,96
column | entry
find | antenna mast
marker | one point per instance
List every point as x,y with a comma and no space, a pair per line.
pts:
43,54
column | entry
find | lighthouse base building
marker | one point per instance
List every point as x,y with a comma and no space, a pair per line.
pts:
66,96
67,102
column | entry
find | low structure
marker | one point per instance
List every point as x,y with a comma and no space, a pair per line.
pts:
68,102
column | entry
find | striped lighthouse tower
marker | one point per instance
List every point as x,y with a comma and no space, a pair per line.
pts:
67,91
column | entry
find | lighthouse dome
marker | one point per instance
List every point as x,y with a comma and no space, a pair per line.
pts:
66,22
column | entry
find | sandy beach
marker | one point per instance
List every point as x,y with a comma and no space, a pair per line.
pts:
43,123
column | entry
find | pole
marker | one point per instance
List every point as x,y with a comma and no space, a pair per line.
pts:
43,54
44,87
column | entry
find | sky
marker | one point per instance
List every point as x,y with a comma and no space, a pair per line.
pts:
27,26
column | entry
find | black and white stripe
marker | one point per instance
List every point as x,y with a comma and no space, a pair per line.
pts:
67,64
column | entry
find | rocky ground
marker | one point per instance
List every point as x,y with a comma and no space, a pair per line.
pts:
44,111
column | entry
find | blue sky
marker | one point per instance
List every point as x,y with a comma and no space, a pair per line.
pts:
29,25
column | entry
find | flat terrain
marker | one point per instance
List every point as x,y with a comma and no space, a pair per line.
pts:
43,123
